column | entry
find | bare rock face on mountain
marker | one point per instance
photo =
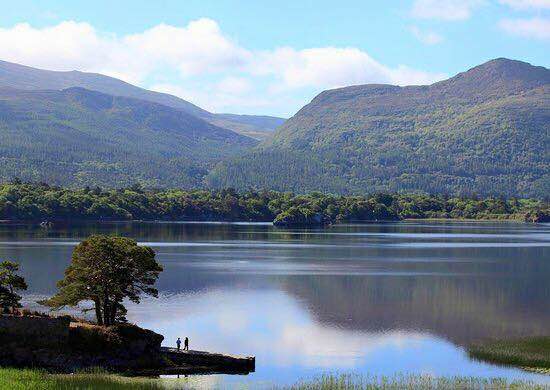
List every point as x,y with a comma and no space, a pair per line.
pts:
483,131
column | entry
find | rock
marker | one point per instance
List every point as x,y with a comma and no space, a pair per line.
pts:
55,343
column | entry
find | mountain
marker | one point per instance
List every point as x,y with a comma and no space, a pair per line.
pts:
483,131
79,137
27,78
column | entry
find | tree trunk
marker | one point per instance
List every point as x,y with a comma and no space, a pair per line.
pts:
106,312
98,315
113,312
13,303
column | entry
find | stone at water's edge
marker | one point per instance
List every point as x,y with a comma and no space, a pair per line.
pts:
55,343
202,361
61,345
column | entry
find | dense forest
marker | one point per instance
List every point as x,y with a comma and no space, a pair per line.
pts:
483,131
80,137
42,202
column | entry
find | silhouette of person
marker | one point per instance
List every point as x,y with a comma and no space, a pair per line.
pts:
186,344
178,343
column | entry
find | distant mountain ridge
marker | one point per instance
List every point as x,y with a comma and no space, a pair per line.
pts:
79,137
27,78
482,131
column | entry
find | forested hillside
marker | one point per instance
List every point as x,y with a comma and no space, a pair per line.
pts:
484,131
28,78
78,137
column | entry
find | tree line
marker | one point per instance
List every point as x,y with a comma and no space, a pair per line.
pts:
42,202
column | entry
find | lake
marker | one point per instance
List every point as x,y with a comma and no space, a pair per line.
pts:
372,298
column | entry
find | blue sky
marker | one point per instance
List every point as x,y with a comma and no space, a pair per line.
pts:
266,57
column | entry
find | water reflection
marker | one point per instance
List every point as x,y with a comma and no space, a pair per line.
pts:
375,298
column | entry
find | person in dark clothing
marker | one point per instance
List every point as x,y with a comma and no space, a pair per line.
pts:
186,344
178,343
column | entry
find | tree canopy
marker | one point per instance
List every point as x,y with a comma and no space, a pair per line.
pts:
10,283
106,270
26,201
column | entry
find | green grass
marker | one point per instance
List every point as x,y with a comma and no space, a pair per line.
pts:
531,353
410,382
23,379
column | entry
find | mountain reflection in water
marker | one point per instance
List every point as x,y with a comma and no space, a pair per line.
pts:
380,298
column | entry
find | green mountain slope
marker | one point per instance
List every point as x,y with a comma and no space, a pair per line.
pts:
483,131
28,78
79,137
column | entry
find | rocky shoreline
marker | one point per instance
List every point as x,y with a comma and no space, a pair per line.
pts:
66,345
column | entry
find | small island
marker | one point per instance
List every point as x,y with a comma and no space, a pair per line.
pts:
104,271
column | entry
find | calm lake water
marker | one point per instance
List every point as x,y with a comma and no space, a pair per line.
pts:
378,299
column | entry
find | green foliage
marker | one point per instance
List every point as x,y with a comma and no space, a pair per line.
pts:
106,270
483,132
79,137
41,202
400,382
22,379
531,352
10,283
299,216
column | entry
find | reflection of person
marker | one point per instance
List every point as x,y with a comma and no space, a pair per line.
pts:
178,343
186,344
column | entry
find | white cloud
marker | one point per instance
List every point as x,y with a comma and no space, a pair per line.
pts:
197,48
404,75
321,67
537,28
449,10
64,46
527,4
234,85
200,63
426,37
332,67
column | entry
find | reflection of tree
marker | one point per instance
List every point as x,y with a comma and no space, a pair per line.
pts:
461,293
462,309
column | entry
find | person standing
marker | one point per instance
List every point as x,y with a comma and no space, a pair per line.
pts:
186,344
178,343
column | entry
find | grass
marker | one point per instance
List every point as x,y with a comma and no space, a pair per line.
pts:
530,353
23,379
35,379
412,382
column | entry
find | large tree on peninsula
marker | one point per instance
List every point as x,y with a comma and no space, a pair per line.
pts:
106,270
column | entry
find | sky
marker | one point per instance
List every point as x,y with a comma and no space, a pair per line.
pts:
271,57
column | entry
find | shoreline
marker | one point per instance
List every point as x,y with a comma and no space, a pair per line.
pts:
65,344
265,223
